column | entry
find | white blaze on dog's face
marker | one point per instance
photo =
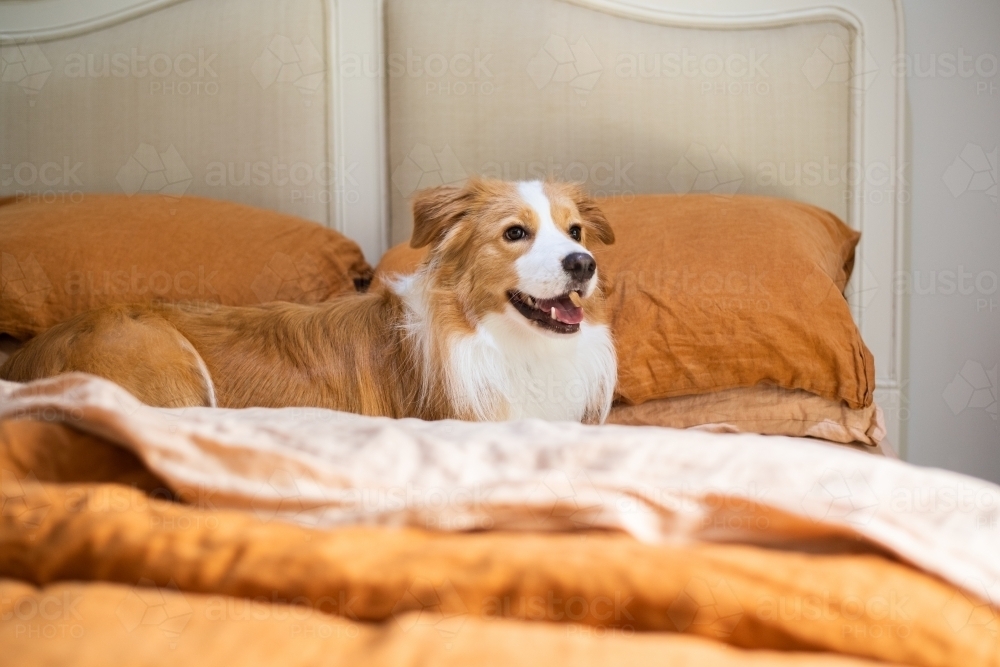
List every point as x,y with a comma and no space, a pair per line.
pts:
521,249
540,271
556,271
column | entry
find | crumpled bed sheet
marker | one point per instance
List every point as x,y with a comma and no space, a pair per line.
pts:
312,505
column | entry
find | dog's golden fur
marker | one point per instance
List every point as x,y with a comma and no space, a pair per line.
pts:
356,353
275,355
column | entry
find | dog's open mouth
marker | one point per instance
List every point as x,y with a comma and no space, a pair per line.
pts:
562,314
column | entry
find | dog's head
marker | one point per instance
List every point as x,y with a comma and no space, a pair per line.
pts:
522,249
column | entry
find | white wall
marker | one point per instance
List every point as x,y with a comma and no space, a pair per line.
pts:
954,334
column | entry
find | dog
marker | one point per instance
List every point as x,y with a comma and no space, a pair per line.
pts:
505,319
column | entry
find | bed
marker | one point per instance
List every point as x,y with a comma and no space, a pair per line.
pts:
301,535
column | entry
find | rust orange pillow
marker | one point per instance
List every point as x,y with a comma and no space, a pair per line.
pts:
61,259
708,293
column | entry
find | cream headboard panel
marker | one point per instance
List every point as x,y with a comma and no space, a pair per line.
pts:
535,88
337,110
230,99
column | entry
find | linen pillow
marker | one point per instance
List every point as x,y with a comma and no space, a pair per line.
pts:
761,409
61,259
708,293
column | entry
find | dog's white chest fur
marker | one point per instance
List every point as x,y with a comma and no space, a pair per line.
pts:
504,371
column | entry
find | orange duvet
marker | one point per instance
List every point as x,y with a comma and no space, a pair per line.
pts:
103,562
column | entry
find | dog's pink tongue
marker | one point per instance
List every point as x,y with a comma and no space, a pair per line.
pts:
561,309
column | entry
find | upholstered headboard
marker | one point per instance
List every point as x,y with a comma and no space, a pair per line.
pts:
338,110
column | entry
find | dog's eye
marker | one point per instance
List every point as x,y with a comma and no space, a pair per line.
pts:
576,232
515,233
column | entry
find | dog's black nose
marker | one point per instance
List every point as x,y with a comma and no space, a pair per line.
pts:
580,266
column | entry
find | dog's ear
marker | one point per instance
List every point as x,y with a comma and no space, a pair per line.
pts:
594,216
435,211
